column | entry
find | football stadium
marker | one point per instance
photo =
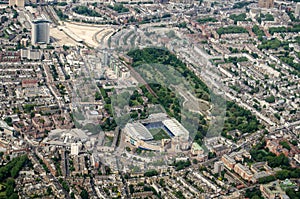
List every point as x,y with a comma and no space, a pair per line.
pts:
157,133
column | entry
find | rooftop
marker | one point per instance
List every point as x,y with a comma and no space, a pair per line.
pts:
175,127
41,21
196,146
138,130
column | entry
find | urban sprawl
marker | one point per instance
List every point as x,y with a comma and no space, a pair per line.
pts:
150,99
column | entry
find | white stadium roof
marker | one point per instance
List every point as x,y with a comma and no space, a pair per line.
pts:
175,127
138,131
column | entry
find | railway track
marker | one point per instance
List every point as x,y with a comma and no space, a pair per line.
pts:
50,13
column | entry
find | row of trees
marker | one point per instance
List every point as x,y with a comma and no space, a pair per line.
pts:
181,164
235,60
83,10
11,171
12,168
239,17
150,173
231,30
241,4
272,44
290,61
294,28
281,175
207,19
259,33
265,17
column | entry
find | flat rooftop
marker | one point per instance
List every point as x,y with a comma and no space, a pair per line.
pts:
196,146
40,20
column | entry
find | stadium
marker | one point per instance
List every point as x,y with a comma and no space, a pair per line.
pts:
157,133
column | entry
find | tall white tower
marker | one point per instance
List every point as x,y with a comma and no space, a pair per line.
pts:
40,32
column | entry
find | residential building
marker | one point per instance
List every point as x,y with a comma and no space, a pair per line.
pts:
272,190
297,11
228,161
196,149
218,167
75,147
18,3
40,33
266,3
243,171
31,54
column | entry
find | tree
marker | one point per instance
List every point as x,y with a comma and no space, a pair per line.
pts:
205,20
211,155
231,29
84,194
8,120
151,173
97,96
9,191
13,196
256,197
294,142
283,174
131,188
14,172
267,179
292,194
270,99
236,18
83,10
66,47
284,144
32,114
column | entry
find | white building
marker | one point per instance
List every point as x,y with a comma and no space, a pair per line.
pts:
31,54
75,147
218,167
297,11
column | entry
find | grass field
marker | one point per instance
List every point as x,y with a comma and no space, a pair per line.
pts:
159,134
